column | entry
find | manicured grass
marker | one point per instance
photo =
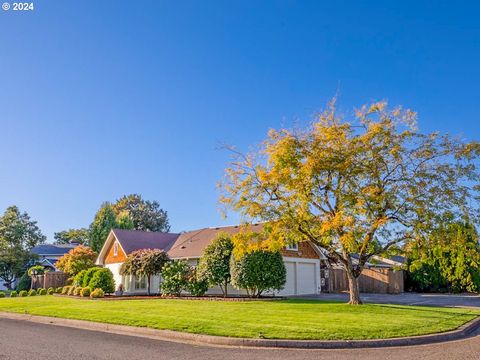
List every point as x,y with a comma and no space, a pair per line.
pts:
290,319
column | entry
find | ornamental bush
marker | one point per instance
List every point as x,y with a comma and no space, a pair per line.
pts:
50,291
71,290
85,292
78,279
13,294
174,277
87,277
196,286
97,293
214,265
42,292
38,291
258,271
103,279
24,282
65,290
77,290
2,294
23,293
32,292
59,290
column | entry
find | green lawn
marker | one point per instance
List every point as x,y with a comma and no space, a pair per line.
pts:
289,319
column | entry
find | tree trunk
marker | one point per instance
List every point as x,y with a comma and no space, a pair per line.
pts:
353,288
148,285
225,293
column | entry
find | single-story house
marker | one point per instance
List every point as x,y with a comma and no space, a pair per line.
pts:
302,260
49,254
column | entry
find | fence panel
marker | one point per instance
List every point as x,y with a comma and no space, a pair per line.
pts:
373,280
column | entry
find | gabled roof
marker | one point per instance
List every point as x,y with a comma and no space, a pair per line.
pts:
53,249
191,244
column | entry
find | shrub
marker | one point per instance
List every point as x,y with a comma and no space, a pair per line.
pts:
32,292
65,290
258,271
42,292
71,290
214,265
38,268
77,290
24,282
85,292
97,293
196,286
78,279
50,291
103,279
175,277
59,290
22,293
13,294
38,291
87,277
2,294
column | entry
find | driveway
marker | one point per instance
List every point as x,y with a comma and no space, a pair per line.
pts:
443,300
21,340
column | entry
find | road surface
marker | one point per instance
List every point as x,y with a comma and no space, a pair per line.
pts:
25,340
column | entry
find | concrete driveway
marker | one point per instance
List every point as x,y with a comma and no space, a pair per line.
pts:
444,300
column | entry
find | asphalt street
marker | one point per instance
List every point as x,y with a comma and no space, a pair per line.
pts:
25,340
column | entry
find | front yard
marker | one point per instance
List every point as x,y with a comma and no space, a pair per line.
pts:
289,319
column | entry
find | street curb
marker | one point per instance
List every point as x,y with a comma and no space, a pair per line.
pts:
462,332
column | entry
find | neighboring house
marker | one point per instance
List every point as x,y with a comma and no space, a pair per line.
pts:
50,253
302,260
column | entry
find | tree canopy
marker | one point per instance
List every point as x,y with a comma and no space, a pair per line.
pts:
79,236
104,221
78,259
145,215
18,235
145,262
366,185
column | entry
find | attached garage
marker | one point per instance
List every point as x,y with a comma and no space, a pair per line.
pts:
302,277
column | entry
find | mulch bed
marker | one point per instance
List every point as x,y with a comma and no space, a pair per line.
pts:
186,297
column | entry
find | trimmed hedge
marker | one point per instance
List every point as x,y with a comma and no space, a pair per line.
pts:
65,290
103,279
59,290
23,293
87,277
85,292
78,279
50,291
13,294
97,293
77,290
2,294
32,292
42,292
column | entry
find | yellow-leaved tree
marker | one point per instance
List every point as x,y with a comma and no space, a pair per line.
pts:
365,186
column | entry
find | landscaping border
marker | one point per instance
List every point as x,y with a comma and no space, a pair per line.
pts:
462,332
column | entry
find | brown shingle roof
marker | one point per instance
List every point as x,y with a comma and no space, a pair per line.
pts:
131,240
192,243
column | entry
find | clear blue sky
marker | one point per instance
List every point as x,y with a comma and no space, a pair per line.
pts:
104,98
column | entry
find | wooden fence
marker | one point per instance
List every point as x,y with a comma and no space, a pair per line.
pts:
49,279
373,280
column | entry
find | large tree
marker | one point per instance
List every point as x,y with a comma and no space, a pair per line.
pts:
104,221
80,236
364,186
78,259
146,215
145,262
18,235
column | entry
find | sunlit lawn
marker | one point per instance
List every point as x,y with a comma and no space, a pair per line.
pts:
288,319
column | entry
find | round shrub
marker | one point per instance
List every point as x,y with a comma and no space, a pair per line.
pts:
71,290
38,291
78,279
22,293
77,291
32,292
50,291
85,292
97,293
65,290
258,271
59,290
2,294
42,292
13,294
103,279
87,277
175,277
196,285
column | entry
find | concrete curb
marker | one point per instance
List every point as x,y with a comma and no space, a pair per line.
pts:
462,332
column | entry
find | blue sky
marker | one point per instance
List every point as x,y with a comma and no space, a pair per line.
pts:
104,98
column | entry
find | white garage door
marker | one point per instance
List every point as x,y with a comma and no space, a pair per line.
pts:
289,288
305,278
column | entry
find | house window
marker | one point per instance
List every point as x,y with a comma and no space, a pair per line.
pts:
115,249
292,247
140,283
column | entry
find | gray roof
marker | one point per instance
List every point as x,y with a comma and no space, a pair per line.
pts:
132,240
52,249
